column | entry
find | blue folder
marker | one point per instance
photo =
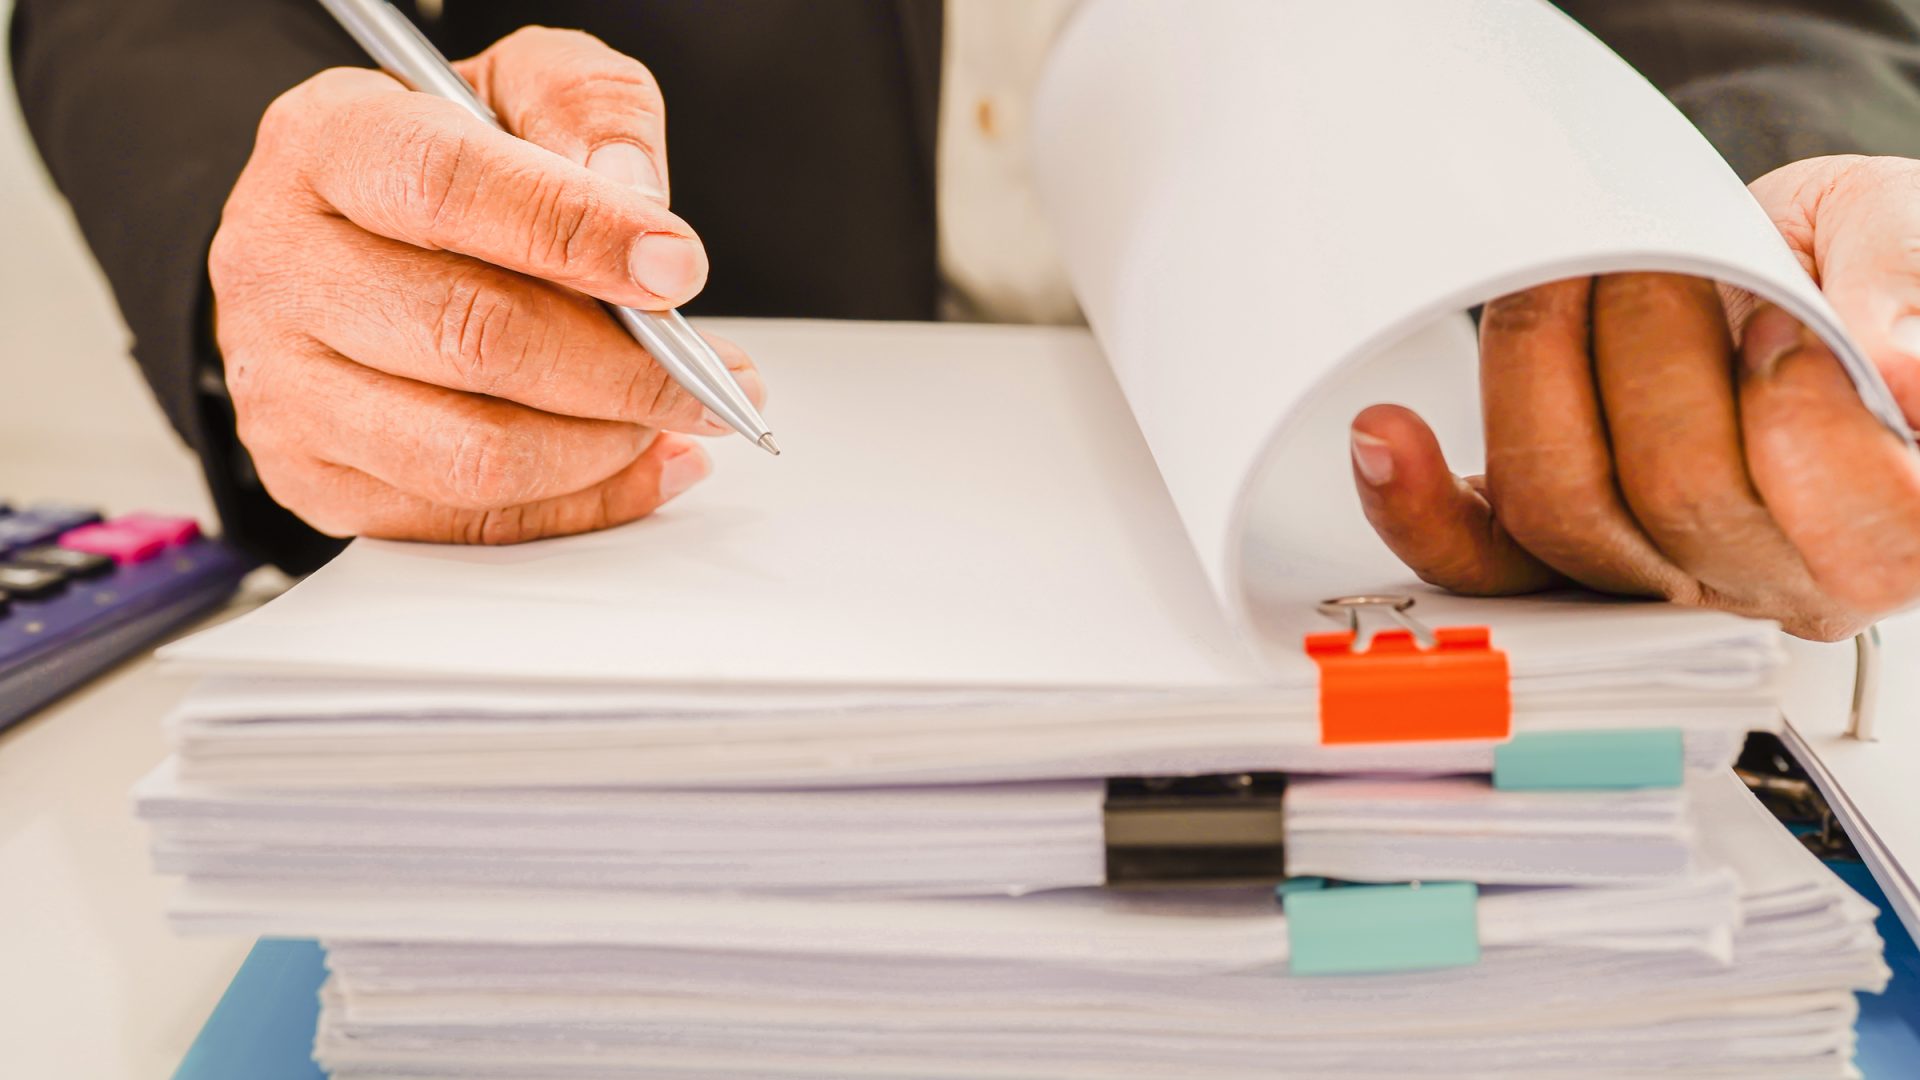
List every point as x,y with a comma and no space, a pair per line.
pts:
1889,1024
263,1027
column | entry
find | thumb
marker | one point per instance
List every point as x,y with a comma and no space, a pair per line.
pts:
1440,525
1859,221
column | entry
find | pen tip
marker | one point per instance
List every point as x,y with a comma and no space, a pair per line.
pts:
767,444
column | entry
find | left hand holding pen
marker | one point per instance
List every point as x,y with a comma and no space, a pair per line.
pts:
1644,438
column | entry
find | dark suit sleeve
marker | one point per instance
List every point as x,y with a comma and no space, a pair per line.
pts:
1774,81
145,111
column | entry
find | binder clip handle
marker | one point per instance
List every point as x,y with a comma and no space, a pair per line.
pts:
1347,609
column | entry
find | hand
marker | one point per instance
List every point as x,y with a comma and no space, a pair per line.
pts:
403,301
1645,438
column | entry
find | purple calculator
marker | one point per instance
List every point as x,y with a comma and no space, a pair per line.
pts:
78,594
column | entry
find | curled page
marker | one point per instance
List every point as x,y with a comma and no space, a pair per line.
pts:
1266,204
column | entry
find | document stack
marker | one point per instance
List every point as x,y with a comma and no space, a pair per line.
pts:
651,803
1049,710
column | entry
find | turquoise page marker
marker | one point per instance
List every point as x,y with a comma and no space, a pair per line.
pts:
1361,929
1593,760
1297,885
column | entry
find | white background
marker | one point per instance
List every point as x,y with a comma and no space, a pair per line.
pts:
76,421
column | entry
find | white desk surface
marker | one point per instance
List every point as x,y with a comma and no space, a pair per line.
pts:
92,982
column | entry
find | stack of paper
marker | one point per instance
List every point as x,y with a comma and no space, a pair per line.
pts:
969,840
1743,967
804,775
650,868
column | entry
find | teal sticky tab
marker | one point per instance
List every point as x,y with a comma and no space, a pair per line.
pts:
1297,885
1360,929
1593,760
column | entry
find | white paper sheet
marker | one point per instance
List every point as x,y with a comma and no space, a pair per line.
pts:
1252,195
956,506
960,508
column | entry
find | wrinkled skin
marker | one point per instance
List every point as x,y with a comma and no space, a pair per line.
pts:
403,299
1648,436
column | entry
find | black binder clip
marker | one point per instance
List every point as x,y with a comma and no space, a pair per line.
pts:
1196,830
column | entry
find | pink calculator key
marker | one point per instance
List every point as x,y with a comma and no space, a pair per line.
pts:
123,546
171,531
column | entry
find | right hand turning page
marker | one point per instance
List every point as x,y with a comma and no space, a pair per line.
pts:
1277,212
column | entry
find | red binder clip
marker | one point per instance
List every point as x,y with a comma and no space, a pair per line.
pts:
1411,683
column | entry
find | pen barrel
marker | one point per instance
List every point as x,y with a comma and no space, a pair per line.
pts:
402,51
692,363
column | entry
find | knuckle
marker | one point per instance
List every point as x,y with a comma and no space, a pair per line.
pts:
1461,575
1554,304
1547,526
434,174
546,37
597,92
1668,504
1515,313
490,466
311,102
227,269
484,335
340,81
253,433
289,109
242,376
594,62
1686,590
500,525
315,492
1654,296
291,485
273,414
565,233
604,511
239,262
648,393
620,88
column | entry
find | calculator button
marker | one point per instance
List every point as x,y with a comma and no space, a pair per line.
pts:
31,582
40,523
21,530
170,531
61,516
123,546
74,564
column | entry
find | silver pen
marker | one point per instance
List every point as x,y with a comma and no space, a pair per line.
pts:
403,52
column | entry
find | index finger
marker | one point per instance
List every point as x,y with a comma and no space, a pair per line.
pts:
1550,471
423,171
